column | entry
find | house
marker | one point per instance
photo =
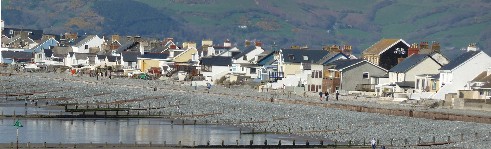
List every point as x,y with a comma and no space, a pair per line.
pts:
83,44
416,64
350,75
154,60
33,34
105,60
14,57
20,41
47,43
225,50
78,60
129,60
386,53
245,63
314,81
268,66
456,75
189,53
482,85
294,65
215,67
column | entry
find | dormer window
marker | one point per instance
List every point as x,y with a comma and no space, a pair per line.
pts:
86,46
305,58
291,57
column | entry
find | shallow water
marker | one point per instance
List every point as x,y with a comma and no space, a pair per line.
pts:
129,131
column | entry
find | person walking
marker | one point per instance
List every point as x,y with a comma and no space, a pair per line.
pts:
337,95
374,143
326,94
320,96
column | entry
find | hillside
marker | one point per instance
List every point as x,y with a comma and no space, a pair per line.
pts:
453,23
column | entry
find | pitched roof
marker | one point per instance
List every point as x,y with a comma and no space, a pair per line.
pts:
329,57
155,55
409,63
247,50
460,60
344,63
83,55
80,41
17,55
216,61
266,60
111,58
130,56
126,46
381,46
34,35
297,56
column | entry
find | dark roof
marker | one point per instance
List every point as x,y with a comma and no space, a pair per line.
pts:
343,63
247,50
17,55
296,55
48,52
158,49
266,60
126,46
329,57
83,55
130,56
82,40
405,84
155,55
111,58
216,61
409,63
486,85
34,35
459,60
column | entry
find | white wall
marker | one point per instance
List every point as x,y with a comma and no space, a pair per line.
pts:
94,42
250,55
216,73
427,66
459,77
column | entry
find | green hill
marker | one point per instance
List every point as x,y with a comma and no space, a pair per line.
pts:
453,23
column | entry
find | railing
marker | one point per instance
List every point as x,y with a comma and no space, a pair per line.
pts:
276,74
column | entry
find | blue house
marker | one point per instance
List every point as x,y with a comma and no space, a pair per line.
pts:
45,44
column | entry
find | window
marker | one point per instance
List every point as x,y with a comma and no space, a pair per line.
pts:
86,46
253,70
366,75
291,57
312,74
320,74
244,58
417,84
316,74
305,58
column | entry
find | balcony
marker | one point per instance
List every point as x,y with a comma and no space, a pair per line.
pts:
276,75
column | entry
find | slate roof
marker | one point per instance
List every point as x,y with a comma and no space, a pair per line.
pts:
158,49
459,60
343,63
247,50
380,46
125,46
409,63
111,58
155,55
34,35
329,57
486,86
83,55
17,55
216,61
266,60
130,56
313,55
80,41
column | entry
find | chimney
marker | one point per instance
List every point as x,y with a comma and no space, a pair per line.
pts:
435,47
347,50
258,43
207,42
472,47
247,43
227,43
423,45
413,49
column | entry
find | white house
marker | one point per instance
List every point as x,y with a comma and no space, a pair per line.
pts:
457,74
91,41
215,67
246,62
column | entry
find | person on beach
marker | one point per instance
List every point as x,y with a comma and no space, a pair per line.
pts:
326,94
337,95
374,143
320,96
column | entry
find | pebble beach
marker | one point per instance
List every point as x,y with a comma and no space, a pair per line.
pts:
245,107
